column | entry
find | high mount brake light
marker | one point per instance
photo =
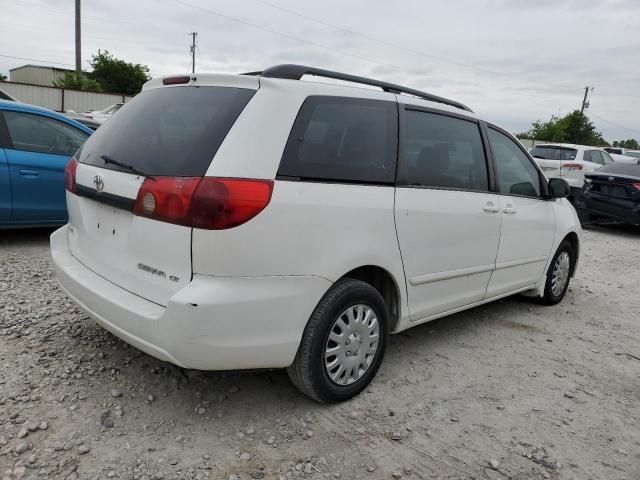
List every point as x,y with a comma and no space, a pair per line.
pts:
209,203
176,80
70,175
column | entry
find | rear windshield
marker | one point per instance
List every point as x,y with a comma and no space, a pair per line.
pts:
173,131
617,151
554,153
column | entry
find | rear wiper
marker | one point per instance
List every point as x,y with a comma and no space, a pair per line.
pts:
126,166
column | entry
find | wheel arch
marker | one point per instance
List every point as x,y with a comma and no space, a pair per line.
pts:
385,283
574,241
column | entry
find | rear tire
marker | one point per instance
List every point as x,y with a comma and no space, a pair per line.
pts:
559,274
351,321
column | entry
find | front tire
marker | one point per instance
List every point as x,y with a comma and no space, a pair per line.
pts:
343,343
559,274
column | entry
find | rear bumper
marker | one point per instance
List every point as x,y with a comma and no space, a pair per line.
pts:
214,323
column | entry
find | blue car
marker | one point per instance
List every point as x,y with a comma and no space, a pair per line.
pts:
35,146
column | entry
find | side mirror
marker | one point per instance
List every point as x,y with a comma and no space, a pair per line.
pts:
558,188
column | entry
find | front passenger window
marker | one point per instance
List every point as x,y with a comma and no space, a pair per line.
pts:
606,157
516,173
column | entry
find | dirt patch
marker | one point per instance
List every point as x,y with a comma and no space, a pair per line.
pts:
507,390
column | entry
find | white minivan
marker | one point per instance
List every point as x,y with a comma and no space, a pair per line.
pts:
266,221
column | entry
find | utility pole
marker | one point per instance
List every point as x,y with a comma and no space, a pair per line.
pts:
78,41
585,104
193,50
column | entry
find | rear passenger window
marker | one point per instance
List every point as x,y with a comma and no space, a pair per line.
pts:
343,139
596,157
441,151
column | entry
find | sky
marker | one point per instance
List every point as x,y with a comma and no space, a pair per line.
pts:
511,61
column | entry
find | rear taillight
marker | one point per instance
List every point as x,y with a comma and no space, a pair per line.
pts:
636,186
209,203
166,198
571,166
70,175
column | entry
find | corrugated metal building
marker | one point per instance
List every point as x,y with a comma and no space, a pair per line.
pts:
37,74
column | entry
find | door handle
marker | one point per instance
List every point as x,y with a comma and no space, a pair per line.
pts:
28,173
491,208
509,210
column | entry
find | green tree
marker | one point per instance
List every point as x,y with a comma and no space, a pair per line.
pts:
73,81
579,129
574,127
550,131
3,77
631,144
116,75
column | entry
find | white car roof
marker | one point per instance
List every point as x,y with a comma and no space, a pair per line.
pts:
568,145
309,85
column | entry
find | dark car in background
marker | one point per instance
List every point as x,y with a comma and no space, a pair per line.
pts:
611,192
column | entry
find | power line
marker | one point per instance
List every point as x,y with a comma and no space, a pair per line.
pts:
293,37
37,60
613,123
401,47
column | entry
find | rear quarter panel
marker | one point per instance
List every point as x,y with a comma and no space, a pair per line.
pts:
308,229
315,229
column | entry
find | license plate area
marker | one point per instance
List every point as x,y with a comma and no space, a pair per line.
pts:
110,225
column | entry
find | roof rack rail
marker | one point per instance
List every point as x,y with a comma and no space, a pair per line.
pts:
296,72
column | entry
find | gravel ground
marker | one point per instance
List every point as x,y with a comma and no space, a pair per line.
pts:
511,390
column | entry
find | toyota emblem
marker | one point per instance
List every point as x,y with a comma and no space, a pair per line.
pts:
98,182
611,179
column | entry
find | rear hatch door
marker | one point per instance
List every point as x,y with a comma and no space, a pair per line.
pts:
166,132
551,157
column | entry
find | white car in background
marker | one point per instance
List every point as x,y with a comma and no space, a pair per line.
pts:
625,158
627,154
569,162
102,116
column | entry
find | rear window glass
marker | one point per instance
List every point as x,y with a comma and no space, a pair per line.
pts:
554,153
173,131
343,139
617,151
